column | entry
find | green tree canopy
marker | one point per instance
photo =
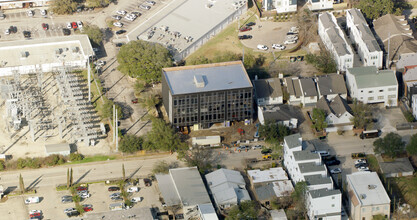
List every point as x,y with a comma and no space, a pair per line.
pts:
94,33
249,62
246,210
374,9
63,7
361,115
130,143
412,145
391,145
97,3
144,60
323,62
273,132
319,119
163,136
107,109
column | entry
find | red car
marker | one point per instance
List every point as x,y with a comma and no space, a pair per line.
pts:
74,25
134,101
246,28
45,26
36,214
81,188
88,209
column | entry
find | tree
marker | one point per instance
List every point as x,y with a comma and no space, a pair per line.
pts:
63,7
246,210
319,119
361,115
282,202
163,136
130,144
391,145
163,167
299,197
21,184
409,116
107,109
200,157
273,132
149,101
323,62
123,172
307,22
374,9
94,34
97,3
249,62
412,145
144,60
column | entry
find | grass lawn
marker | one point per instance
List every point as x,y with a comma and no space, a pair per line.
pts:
93,159
373,162
406,189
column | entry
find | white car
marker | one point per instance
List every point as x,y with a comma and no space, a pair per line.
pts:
150,2
360,161
69,25
30,13
118,24
133,189
117,17
262,47
121,12
7,31
290,42
294,30
80,24
130,18
43,12
335,171
101,63
86,195
278,46
145,7
363,168
69,210
136,199
292,37
34,211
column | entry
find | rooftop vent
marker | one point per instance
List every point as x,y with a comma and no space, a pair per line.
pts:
24,54
209,5
58,51
75,49
363,196
371,186
199,81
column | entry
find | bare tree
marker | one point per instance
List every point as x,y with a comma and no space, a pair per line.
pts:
307,22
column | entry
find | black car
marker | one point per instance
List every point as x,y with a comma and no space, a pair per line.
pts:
361,165
73,213
250,24
66,31
113,188
244,37
332,162
329,157
26,34
120,31
119,44
13,29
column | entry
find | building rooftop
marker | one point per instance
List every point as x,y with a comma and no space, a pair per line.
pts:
367,188
207,77
57,148
281,113
365,31
273,174
221,176
44,50
370,76
293,86
338,106
136,213
265,192
293,140
335,34
323,193
317,179
331,84
308,87
207,211
268,88
310,167
305,155
167,188
283,188
406,60
400,165
410,75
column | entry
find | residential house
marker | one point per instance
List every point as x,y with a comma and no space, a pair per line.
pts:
317,5
331,86
227,188
268,91
367,196
397,168
338,114
370,85
202,95
363,38
294,90
281,6
395,31
287,115
309,91
184,186
257,177
334,40
324,204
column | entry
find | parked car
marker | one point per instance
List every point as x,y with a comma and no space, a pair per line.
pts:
113,188
74,25
335,171
35,211
292,37
244,37
119,44
80,24
150,2
100,63
88,209
363,168
118,24
322,153
360,161
250,24
121,12
290,42
145,7
262,47
245,28
257,147
81,188
73,213
31,200
361,165
26,34
45,26
133,189
115,195
88,205
332,162
7,32
116,198
136,13
36,214
43,12
30,13
66,31
278,46
147,182
136,199
66,199
117,17
69,210
69,25
13,29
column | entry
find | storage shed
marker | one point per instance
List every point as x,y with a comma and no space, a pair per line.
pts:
62,149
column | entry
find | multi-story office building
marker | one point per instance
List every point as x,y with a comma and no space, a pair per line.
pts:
202,95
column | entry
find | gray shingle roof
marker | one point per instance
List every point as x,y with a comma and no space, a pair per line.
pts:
268,88
265,192
308,87
337,106
281,113
293,140
335,34
323,193
293,86
366,33
331,84
370,76
398,166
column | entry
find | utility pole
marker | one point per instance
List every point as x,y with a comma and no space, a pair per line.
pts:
117,134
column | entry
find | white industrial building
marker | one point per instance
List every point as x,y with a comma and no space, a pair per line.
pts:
360,34
317,5
63,149
334,40
281,6
184,25
370,85
44,54
322,200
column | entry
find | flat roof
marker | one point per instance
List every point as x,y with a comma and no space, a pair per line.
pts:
139,213
167,188
310,167
305,155
368,188
44,50
56,148
273,174
207,77
283,188
293,140
207,211
400,165
190,18
370,76
317,179
323,192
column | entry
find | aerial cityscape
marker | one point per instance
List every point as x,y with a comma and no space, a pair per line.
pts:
208,109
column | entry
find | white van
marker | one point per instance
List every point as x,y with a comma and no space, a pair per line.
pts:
136,199
31,200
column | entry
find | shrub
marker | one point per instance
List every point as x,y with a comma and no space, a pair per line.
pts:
409,116
130,144
33,163
53,160
75,157
2,166
21,163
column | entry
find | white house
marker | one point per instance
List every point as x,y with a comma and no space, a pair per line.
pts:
338,114
317,181
324,204
316,5
282,6
268,91
294,90
360,34
370,85
414,105
331,86
309,92
334,40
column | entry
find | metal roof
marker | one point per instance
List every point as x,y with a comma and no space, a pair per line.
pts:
368,188
57,148
293,140
266,88
370,76
331,84
136,213
323,193
167,188
217,77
